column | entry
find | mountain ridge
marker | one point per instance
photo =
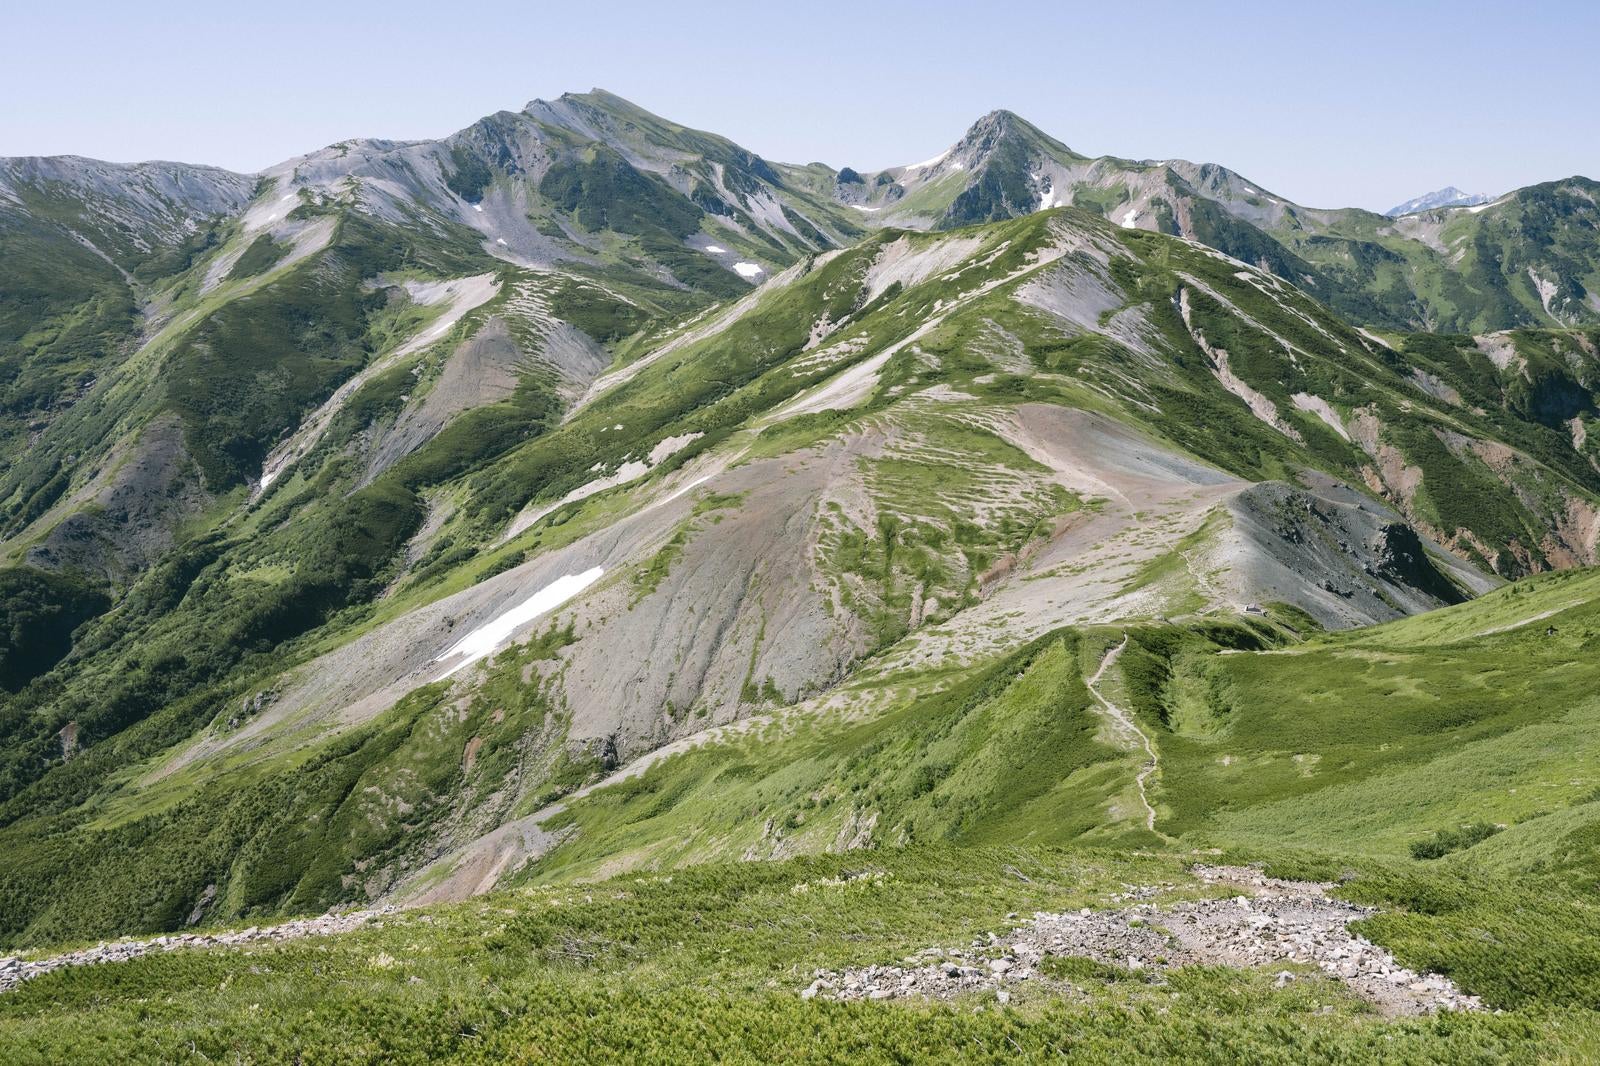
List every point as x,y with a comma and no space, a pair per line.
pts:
1358,260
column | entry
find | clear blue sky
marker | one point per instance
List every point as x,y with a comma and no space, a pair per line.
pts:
1328,104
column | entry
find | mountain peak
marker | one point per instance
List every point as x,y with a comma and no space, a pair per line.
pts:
1005,129
596,99
998,123
999,118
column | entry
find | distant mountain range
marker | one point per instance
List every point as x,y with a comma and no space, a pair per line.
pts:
1449,196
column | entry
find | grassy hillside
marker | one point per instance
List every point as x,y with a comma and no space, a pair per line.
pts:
1357,756
708,963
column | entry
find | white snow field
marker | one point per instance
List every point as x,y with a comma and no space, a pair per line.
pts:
487,638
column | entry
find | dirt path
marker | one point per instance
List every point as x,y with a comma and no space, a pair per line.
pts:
1125,727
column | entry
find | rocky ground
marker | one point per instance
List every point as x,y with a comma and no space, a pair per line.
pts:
14,971
1270,922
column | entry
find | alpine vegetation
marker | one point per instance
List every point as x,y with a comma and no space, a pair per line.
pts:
576,590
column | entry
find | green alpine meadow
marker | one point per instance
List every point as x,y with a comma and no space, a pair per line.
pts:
579,591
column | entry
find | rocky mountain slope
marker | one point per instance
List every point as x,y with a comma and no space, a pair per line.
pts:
642,217
179,332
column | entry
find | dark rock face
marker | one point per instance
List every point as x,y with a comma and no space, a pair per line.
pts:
1402,558
1342,559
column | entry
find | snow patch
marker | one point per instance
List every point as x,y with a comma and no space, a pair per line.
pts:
478,208
748,270
716,249
487,638
1130,217
675,493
